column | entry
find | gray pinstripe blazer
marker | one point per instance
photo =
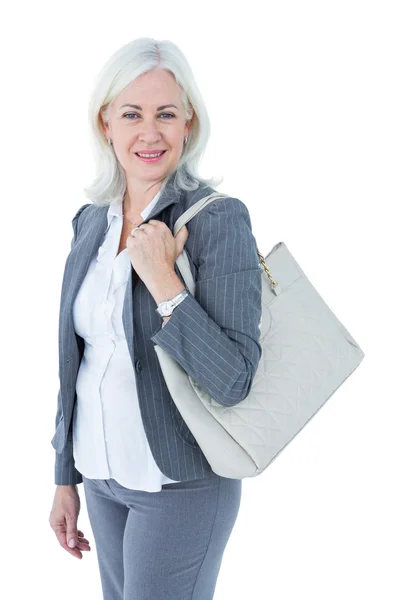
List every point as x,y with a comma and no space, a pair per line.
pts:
214,335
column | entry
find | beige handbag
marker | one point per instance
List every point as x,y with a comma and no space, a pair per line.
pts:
306,355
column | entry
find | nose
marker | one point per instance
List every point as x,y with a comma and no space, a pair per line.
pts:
150,133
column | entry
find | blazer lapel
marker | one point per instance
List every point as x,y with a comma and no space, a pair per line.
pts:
168,196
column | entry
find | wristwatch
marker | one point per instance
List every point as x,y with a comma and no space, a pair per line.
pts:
166,307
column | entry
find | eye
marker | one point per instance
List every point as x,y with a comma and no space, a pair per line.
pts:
168,114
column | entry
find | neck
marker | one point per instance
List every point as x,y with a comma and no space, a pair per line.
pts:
138,197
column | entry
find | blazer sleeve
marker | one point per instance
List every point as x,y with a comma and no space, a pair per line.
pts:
214,335
65,472
64,468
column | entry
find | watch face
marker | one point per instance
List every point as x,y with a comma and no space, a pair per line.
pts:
166,308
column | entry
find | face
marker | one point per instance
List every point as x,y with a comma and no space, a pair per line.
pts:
148,125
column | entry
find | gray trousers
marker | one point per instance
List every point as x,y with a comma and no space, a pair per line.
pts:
165,545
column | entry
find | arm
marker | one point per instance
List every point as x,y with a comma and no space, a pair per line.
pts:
214,335
64,469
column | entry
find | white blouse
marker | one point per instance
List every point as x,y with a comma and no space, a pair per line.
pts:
109,440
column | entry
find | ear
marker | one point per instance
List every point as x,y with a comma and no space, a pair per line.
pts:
188,127
104,126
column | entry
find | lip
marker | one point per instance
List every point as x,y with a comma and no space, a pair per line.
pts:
151,151
155,159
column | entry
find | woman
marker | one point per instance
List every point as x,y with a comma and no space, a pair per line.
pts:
160,516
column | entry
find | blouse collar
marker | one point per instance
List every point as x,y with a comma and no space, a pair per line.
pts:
115,209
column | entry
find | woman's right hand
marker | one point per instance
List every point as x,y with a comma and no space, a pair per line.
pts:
64,519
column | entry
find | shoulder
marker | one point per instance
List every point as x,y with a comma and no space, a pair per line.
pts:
80,210
227,210
86,211
77,215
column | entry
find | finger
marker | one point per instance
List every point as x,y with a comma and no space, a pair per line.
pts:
155,223
74,551
72,531
133,233
84,540
83,547
61,537
180,240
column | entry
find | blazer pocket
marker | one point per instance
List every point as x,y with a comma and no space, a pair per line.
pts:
59,437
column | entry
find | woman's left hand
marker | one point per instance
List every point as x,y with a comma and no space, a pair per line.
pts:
153,250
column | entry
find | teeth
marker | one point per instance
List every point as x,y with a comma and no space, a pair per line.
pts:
150,155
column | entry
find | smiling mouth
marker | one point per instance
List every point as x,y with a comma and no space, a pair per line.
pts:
151,159
149,152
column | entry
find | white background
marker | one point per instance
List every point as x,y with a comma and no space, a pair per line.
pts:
304,102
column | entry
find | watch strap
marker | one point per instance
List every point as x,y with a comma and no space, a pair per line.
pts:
173,301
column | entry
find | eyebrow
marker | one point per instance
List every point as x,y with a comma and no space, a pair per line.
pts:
140,108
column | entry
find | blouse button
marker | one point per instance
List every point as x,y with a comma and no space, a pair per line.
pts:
138,365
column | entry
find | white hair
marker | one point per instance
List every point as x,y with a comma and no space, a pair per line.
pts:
124,66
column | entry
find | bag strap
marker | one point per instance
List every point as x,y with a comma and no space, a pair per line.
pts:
182,261
196,208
